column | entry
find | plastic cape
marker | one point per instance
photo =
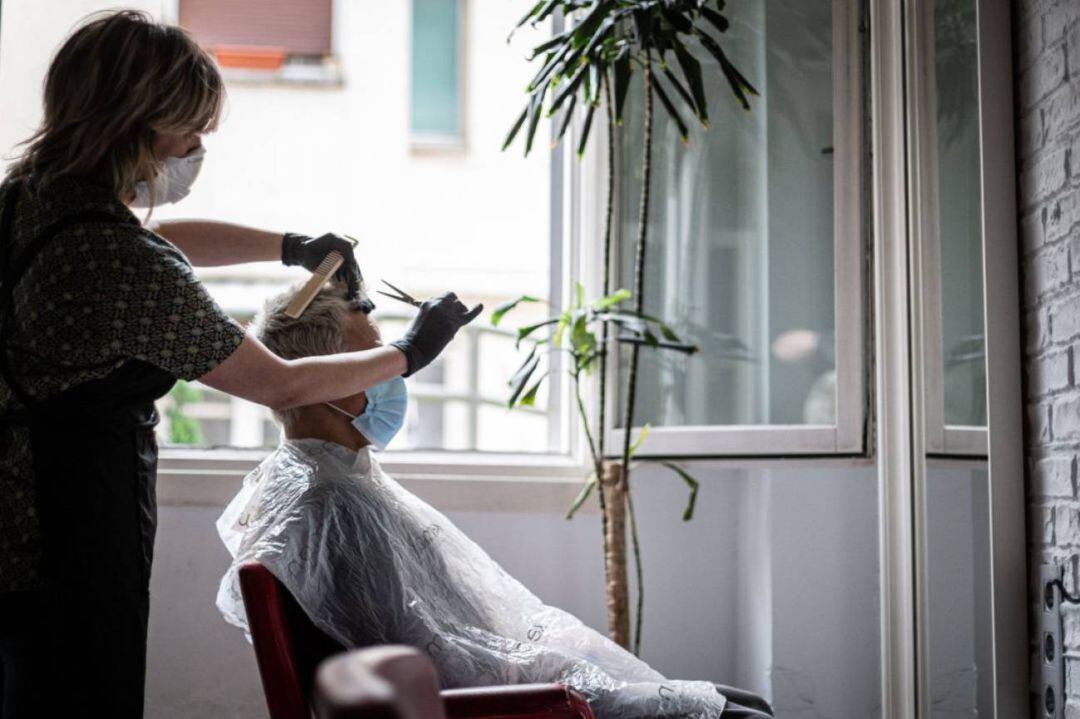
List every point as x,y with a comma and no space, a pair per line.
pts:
370,563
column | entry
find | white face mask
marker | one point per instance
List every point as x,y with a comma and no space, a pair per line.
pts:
174,181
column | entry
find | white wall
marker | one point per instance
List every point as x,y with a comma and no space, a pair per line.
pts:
772,586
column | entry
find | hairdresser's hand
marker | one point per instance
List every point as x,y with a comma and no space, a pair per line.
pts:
310,251
432,329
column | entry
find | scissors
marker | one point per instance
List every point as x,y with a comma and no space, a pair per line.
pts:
401,296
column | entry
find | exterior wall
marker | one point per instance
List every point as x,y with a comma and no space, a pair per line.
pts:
1048,151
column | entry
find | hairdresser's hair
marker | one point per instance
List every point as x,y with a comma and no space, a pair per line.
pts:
319,331
120,78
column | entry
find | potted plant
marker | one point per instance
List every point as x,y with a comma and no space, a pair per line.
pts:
590,66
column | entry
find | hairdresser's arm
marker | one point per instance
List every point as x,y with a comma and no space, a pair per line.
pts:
256,374
208,244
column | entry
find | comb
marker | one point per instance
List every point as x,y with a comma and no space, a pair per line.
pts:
306,294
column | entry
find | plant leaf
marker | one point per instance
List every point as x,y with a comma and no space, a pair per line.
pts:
688,513
524,364
520,379
524,332
622,70
681,89
549,66
514,130
677,20
668,333
640,439
623,319
505,307
536,104
564,122
620,295
582,339
560,39
545,11
684,133
568,89
598,36
641,25
582,496
739,84
529,398
692,70
585,127
587,26
579,294
532,11
560,329
718,21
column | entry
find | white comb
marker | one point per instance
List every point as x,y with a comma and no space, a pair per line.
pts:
306,294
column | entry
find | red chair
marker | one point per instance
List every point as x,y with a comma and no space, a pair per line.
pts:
289,648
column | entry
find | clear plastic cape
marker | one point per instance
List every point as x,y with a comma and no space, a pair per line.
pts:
370,563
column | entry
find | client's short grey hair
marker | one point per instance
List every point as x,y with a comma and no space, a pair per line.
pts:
320,330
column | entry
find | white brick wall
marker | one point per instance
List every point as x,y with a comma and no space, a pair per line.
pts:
1048,135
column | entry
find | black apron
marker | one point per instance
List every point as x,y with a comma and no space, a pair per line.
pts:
95,464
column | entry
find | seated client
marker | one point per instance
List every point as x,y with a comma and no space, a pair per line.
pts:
371,564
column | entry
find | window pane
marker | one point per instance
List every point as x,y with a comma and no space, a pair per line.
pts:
740,258
959,212
435,61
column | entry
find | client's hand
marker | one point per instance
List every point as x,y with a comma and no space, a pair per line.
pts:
431,330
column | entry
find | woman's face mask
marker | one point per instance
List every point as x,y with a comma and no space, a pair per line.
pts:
384,414
174,181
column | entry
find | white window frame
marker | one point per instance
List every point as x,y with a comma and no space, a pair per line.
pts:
438,142
941,439
848,435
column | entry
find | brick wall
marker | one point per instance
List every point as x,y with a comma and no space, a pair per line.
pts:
1047,75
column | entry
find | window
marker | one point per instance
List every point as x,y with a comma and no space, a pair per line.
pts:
264,39
435,110
951,231
291,159
756,245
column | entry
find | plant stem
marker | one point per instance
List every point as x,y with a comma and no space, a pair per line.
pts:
608,223
588,432
598,456
639,307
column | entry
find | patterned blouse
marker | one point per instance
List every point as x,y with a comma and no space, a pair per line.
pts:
99,294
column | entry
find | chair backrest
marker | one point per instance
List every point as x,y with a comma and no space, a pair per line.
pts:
288,647
386,682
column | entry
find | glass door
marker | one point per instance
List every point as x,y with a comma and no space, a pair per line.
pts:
960,483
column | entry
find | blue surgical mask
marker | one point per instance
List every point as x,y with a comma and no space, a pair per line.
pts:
384,415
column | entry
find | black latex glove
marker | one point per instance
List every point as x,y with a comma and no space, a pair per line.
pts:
432,329
309,252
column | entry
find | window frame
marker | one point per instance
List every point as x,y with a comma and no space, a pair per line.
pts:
434,141
942,439
848,435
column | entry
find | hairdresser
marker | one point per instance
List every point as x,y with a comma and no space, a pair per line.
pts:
98,318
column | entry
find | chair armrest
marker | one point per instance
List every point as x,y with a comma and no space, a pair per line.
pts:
522,701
